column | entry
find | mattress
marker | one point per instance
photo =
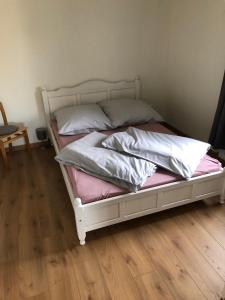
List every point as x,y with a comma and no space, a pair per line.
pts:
89,188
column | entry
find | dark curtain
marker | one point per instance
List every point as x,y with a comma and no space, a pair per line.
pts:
217,135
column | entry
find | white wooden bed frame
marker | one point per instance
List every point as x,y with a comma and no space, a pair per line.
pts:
132,205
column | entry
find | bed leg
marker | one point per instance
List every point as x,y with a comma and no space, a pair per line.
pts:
78,208
82,236
222,195
222,200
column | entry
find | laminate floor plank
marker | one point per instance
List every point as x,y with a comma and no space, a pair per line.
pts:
9,217
204,275
174,274
87,273
214,226
203,241
50,223
178,254
118,278
10,282
134,254
63,290
152,286
43,296
31,263
218,211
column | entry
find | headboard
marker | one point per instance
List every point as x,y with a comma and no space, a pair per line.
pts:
89,91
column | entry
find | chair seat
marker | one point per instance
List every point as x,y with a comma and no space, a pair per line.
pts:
9,134
7,129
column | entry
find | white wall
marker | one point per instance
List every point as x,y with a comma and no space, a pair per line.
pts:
55,42
154,54
176,46
196,62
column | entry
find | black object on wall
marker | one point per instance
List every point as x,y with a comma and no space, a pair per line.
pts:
217,135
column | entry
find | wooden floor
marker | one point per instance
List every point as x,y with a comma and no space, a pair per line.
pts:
179,254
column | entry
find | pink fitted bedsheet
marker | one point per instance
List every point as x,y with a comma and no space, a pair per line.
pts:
89,188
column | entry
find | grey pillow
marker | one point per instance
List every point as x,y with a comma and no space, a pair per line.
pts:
177,154
88,155
82,118
127,111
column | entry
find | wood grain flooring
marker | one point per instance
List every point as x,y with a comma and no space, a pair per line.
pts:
178,254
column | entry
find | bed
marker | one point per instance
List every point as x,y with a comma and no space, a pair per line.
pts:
115,205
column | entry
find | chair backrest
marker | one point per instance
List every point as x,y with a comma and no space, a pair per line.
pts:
3,114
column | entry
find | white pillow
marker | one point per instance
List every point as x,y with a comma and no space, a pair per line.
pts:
82,118
128,111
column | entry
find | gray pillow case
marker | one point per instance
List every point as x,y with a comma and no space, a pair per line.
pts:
127,111
82,118
88,155
177,154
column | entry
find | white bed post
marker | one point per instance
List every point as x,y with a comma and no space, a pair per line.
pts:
79,218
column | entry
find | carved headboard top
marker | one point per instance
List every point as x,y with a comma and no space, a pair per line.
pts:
89,91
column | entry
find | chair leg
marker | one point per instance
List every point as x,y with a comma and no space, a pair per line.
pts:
10,147
26,138
4,156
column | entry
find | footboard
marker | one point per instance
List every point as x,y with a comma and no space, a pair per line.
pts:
133,205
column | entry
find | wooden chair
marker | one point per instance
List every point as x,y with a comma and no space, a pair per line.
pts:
5,140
